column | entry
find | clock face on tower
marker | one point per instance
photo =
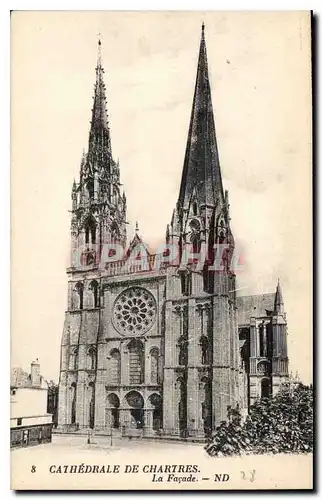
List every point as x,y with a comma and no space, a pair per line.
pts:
134,311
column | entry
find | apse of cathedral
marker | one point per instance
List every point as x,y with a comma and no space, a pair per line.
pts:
161,344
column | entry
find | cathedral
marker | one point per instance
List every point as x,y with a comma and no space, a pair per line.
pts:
162,344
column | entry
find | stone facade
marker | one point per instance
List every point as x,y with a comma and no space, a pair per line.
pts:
151,342
263,343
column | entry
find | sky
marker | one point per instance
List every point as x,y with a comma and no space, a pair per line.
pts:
259,65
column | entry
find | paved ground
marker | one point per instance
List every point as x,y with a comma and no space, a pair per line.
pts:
80,442
71,445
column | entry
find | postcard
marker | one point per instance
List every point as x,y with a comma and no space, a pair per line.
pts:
161,251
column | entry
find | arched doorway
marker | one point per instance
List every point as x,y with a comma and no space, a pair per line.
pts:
112,412
265,388
156,403
136,404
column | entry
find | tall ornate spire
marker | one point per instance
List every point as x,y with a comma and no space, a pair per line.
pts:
201,172
99,208
99,132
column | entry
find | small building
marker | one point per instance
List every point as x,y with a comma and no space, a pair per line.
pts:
30,423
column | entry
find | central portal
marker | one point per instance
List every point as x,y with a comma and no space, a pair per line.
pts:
136,403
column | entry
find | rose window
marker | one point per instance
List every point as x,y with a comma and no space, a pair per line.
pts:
134,311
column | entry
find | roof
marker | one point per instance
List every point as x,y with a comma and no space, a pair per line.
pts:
22,379
254,306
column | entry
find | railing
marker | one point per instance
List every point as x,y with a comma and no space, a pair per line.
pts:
153,262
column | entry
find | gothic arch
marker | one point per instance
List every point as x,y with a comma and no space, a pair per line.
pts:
90,188
186,282
112,411
79,288
94,287
73,358
221,230
182,350
155,401
135,402
73,403
115,364
205,387
90,230
154,365
195,235
91,358
134,399
180,386
91,390
136,362
205,350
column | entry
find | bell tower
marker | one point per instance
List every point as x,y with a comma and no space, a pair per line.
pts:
98,207
98,219
201,339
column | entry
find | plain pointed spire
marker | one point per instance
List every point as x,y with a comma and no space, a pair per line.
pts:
201,171
279,302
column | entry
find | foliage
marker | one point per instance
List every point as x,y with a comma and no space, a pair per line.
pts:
280,424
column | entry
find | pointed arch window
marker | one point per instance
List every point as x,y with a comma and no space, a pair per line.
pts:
263,340
115,367
186,283
269,338
205,350
79,287
194,208
221,232
90,231
112,411
182,350
73,405
91,358
91,400
154,366
195,235
180,386
73,358
94,287
90,188
206,404
136,362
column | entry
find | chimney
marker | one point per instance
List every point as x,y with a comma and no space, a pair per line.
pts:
35,373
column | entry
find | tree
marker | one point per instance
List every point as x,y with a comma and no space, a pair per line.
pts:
280,424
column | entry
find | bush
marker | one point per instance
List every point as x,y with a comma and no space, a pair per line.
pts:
281,424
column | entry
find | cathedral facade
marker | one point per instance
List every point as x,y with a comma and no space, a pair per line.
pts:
160,344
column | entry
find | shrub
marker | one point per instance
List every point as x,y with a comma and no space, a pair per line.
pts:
281,424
